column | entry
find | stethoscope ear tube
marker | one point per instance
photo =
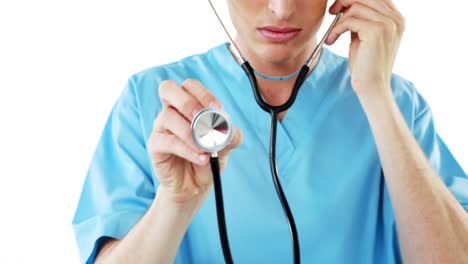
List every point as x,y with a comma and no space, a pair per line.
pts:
220,210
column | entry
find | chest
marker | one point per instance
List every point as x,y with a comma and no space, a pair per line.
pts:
332,182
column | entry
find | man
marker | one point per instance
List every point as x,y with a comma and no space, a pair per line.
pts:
363,168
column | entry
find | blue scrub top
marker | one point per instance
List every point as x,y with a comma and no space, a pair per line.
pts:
327,162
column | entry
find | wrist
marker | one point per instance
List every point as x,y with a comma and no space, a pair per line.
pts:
374,90
374,94
167,199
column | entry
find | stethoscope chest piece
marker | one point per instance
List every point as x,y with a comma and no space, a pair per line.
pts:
212,130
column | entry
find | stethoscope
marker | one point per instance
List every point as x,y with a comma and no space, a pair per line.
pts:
212,131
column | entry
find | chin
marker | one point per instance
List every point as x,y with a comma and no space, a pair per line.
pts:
278,53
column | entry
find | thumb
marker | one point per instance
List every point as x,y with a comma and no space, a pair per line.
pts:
235,142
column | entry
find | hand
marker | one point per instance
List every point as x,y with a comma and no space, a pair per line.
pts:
183,170
376,28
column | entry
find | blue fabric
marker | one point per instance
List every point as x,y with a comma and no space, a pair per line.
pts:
327,161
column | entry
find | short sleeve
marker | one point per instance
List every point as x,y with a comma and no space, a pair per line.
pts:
439,155
119,187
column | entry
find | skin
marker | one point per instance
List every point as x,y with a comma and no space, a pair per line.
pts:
276,58
432,226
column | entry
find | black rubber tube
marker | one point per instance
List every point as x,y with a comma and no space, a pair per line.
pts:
274,112
220,210
279,190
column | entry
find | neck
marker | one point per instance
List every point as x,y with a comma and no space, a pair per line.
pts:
264,64
276,92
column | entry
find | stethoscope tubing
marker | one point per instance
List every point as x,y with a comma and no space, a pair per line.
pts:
274,111
214,161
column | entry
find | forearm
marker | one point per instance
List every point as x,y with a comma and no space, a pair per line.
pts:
432,226
155,238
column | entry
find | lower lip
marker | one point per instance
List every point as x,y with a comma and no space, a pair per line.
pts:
276,36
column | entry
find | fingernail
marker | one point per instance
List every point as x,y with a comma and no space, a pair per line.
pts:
202,157
215,105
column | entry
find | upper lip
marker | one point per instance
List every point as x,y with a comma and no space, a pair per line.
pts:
280,29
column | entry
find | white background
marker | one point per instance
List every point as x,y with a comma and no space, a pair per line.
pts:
63,64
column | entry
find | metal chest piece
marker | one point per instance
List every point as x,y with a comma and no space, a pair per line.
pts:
212,130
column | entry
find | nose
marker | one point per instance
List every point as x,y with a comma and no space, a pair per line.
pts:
283,9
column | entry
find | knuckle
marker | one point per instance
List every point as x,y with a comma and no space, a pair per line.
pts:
165,85
156,125
381,27
151,146
350,21
190,82
402,23
391,26
162,118
187,132
378,32
207,97
188,106
356,6
188,152
156,143
171,140
346,2
157,121
183,150
200,91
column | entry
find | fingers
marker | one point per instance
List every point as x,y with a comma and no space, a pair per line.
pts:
374,17
354,25
188,99
361,12
161,144
172,130
173,122
364,12
392,6
170,121
378,5
204,97
235,142
385,7
171,95
171,136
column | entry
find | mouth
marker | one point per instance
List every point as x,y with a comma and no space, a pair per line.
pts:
278,34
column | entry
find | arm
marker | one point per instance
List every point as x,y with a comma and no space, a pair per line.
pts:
156,237
184,179
432,226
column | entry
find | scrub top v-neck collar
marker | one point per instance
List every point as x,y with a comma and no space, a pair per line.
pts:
298,121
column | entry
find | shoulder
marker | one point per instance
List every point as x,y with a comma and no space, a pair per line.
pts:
188,67
408,98
143,87
141,93
401,86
